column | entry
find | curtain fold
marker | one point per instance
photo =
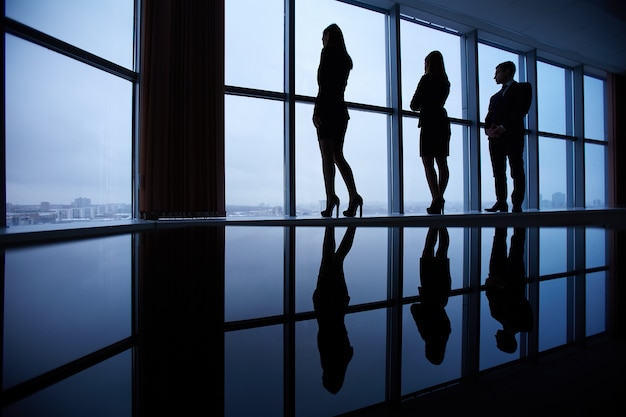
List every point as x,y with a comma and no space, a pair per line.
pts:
181,117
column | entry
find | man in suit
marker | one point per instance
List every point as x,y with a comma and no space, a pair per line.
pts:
504,126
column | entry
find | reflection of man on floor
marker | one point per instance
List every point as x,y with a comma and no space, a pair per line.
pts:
429,314
505,288
330,301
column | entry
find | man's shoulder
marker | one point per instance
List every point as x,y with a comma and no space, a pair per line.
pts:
524,92
523,86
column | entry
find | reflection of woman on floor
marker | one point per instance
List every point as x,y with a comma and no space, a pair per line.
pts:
429,314
330,301
505,288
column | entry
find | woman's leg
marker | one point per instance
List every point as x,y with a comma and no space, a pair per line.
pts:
344,168
431,176
328,167
444,174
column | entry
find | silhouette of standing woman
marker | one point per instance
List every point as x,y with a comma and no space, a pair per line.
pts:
429,99
330,301
330,117
430,314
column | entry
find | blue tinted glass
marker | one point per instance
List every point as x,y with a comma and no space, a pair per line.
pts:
595,108
552,250
595,243
595,297
342,371
431,345
254,272
104,28
103,390
253,370
552,106
595,175
387,312
553,313
253,156
63,301
68,139
552,173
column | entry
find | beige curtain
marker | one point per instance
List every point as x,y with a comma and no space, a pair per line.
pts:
181,118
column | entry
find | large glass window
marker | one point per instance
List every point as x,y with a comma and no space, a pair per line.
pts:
260,176
68,138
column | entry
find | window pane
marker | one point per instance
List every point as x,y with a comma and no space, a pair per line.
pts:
365,150
416,193
364,34
595,175
68,138
595,115
104,28
413,52
552,173
551,99
253,156
254,46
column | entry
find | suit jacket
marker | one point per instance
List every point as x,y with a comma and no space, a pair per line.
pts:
332,79
429,99
510,109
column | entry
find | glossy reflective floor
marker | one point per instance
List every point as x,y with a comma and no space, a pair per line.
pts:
301,320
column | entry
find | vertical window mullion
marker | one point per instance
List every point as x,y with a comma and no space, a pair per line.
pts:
394,141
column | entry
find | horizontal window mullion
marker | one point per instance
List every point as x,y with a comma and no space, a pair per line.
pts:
32,35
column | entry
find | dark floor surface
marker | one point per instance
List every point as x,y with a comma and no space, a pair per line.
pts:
575,381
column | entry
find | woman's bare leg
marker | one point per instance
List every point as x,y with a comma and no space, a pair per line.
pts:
431,176
444,175
328,167
344,168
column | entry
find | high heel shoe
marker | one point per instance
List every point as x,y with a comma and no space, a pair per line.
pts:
437,206
330,205
354,203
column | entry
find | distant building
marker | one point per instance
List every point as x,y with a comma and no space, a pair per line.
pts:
558,200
